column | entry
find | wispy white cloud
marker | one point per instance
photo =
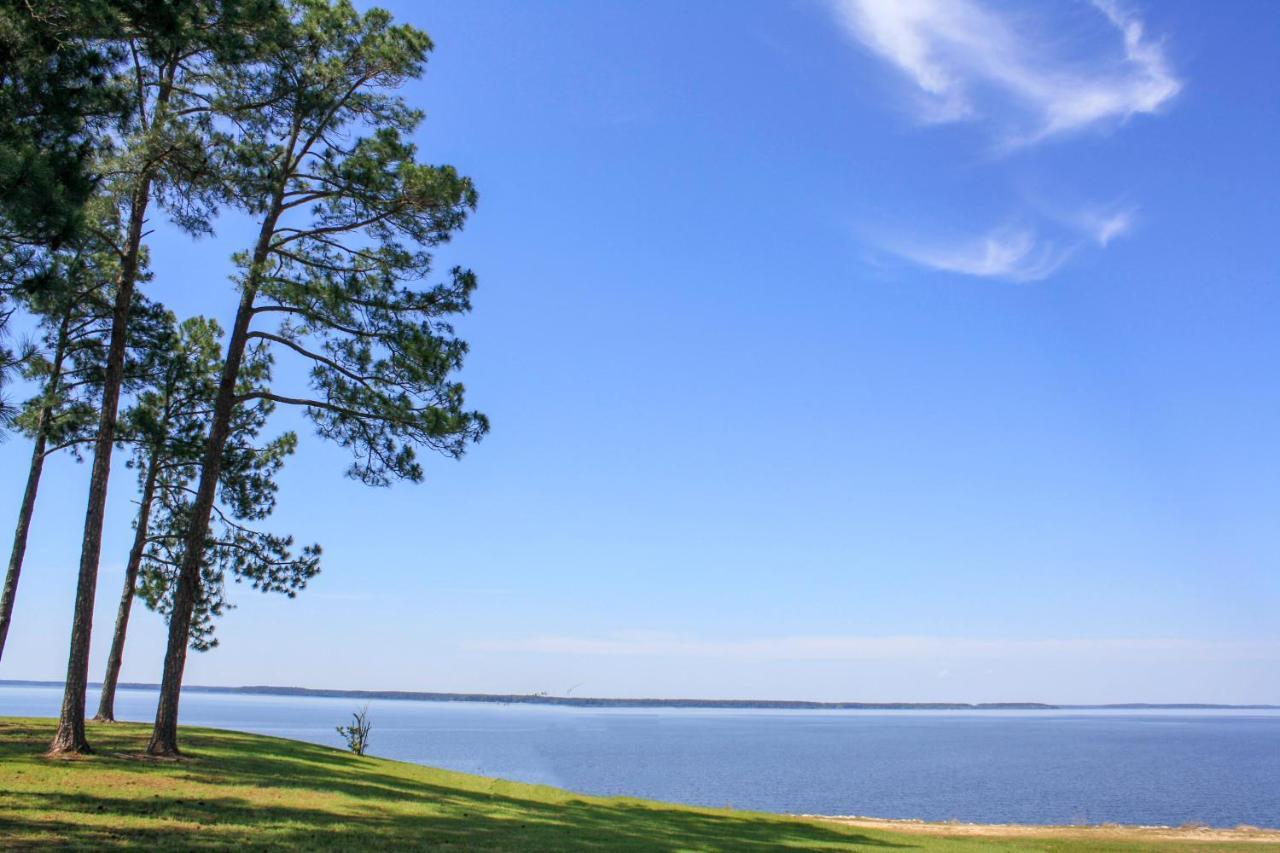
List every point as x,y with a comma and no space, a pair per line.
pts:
869,648
1009,253
1041,240
970,60
1094,222
1103,226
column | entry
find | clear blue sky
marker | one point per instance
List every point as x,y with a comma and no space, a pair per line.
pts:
834,350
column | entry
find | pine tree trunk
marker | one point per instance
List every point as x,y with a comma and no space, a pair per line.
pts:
27,508
107,702
25,511
70,736
164,738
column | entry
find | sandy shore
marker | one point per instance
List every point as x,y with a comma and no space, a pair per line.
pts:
1109,832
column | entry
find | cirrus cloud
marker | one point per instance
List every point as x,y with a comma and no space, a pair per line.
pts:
970,60
1010,253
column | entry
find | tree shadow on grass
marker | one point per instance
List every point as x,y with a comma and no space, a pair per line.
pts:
334,800
219,822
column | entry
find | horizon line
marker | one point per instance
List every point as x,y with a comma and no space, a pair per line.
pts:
654,702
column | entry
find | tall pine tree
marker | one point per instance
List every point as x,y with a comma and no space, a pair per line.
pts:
167,152
336,274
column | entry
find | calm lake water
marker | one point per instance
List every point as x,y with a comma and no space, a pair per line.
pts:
1220,768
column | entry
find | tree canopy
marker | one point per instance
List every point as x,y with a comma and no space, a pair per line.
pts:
118,117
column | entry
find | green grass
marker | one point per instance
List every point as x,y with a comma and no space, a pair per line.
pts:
259,792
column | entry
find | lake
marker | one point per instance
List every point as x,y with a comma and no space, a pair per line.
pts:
1220,768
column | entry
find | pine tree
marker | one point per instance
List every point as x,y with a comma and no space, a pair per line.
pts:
160,428
167,430
167,152
335,276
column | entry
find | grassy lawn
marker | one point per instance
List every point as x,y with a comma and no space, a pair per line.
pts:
259,792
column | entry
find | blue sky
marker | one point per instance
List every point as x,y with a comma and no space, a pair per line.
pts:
834,350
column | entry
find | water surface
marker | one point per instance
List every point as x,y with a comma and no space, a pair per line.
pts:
1221,768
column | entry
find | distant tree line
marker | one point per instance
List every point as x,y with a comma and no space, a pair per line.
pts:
116,115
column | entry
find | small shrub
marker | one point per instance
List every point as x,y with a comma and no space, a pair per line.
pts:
357,734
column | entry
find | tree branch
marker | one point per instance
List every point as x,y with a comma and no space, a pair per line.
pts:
350,374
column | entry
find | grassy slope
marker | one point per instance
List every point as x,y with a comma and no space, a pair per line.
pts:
252,791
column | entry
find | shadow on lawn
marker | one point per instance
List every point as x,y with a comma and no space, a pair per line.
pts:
378,810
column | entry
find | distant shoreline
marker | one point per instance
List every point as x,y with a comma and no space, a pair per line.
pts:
596,702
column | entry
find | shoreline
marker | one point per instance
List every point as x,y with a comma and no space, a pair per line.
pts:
1098,832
